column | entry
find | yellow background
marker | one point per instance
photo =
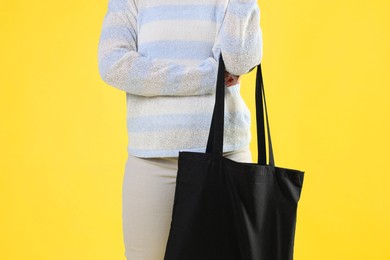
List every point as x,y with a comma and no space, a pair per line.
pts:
63,132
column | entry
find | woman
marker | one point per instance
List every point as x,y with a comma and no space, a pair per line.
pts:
164,55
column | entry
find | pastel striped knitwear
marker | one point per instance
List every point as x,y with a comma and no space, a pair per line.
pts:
164,55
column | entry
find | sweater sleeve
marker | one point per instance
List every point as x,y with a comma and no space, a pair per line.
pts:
122,67
240,37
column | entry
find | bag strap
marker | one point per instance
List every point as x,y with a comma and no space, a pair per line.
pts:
260,95
215,139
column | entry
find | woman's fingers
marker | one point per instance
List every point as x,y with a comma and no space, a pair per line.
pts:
231,80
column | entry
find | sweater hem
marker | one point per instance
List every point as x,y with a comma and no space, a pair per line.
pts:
175,152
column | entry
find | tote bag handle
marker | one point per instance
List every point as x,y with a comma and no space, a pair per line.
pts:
215,139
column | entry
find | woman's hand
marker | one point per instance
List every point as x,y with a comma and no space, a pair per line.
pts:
231,80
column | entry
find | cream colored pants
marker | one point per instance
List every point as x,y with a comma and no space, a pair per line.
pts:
147,203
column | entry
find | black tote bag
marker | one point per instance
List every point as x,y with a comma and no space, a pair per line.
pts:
229,210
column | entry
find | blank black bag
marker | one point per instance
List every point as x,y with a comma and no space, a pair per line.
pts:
228,210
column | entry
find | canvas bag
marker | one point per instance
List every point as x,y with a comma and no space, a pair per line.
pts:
228,210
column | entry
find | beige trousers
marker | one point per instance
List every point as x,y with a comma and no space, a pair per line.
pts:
147,203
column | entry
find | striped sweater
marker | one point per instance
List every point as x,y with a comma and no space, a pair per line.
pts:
164,55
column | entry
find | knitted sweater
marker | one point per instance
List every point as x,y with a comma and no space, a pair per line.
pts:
164,55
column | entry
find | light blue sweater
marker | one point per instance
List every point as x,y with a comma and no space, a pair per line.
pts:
163,54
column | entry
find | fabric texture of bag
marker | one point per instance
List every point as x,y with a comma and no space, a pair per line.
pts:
229,210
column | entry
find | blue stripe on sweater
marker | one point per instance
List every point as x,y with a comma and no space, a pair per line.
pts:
117,6
118,32
180,121
242,9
